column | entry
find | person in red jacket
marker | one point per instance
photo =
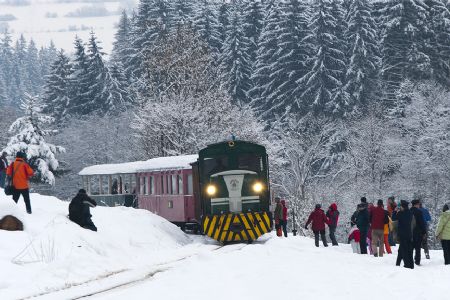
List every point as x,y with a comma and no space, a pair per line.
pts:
378,218
22,174
333,217
284,219
354,237
318,219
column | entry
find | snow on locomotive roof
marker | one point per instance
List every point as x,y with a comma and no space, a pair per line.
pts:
159,163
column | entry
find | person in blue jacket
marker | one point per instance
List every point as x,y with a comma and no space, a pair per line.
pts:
427,220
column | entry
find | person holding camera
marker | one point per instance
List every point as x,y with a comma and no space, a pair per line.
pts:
20,173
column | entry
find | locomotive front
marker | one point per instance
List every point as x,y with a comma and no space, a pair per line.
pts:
234,192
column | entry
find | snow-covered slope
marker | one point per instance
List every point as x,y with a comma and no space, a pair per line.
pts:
61,20
53,252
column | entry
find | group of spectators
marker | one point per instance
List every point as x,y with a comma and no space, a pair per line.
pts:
375,229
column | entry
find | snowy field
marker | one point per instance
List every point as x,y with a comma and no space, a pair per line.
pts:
138,255
61,20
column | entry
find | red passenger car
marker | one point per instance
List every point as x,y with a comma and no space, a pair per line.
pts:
162,185
166,189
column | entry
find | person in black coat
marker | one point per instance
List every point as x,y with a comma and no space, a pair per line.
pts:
405,251
362,222
79,210
419,230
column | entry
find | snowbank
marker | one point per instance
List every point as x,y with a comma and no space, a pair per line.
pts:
52,252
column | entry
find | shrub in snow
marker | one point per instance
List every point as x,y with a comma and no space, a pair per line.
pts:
29,138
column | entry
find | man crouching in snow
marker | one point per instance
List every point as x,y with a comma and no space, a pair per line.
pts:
79,211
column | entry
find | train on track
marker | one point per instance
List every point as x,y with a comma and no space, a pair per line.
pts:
222,192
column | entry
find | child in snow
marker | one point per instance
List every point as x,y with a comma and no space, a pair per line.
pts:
354,238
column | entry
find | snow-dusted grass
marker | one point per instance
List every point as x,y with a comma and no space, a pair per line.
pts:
33,21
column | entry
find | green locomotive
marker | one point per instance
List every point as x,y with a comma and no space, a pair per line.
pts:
232,191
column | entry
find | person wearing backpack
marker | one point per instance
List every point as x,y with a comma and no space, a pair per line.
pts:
443,233
20,173
419,230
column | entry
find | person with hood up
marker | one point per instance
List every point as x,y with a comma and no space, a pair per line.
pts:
362,222
443,233
79,210
333,217
284,219
354,238
318,220
20,173
405,251
419,230
3,167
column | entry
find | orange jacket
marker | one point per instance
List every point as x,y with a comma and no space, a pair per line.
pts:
22,172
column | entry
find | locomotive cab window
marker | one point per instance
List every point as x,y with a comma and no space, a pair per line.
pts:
216,164
250,162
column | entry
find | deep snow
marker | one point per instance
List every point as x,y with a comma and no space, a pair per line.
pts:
143,256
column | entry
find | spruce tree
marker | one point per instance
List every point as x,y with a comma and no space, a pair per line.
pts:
363,51
235,61
206,25
264,79
29,137
121,46
80,81
57,96
6,62
438,40
223,21
183,13
253,24
322,85
33,75
403,51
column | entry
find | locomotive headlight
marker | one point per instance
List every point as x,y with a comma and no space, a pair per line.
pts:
211,190
258,187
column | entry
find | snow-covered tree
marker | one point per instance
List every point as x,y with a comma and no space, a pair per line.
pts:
206,24
121,46
81,80
403,43
322,85
235,61
364,54
57,91
29,135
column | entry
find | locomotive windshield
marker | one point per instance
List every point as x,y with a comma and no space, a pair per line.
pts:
250,162
213,165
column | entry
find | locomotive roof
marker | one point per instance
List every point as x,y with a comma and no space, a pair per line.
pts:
158,163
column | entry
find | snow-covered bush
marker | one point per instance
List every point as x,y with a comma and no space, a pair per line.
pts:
29,137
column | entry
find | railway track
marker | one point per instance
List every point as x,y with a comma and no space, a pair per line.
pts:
121,278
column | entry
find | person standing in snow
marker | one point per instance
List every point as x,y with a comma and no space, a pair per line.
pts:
3,167
79,210
426,219
354,239
278,213
387,232
284,218
391,206
378,219
362,221
20,173
443,233
405,251
318,220
333,217
419,230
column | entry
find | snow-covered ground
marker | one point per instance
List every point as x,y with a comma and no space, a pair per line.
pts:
57,20
138,255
